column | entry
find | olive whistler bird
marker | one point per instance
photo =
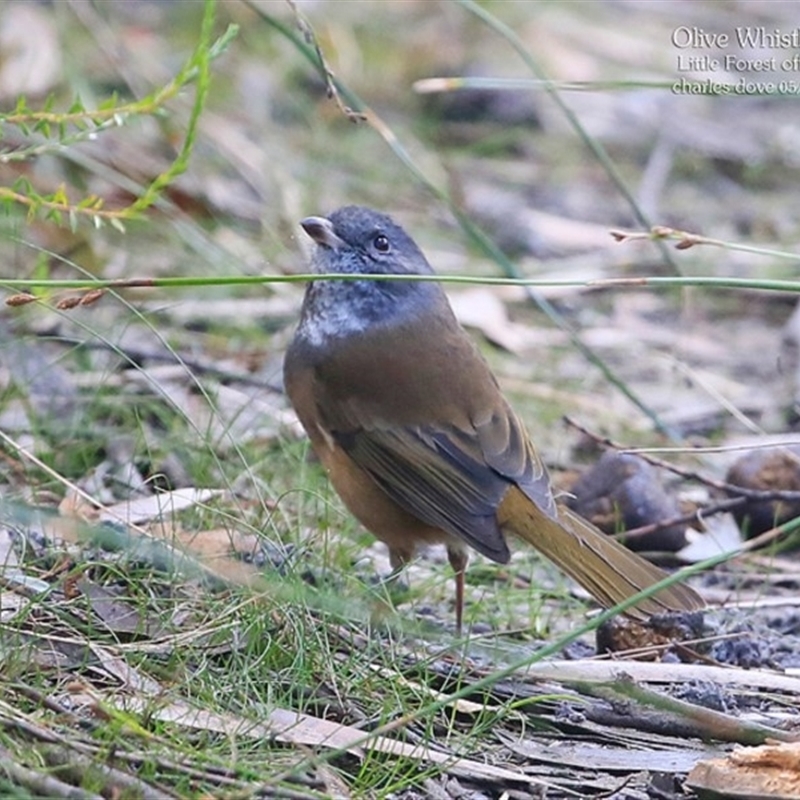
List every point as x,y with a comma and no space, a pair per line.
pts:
410,424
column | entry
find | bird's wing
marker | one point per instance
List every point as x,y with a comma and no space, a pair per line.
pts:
443,443
438,476
507,449
454,478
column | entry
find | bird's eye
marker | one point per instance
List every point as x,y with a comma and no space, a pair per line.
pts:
381,243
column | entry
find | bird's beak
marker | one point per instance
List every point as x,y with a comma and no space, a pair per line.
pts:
321,231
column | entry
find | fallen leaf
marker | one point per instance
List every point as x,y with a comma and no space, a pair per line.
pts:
768,772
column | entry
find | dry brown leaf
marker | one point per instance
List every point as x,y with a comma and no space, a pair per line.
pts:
128,676
219,550
117,615
768,772
145,509
74,505
296,728
481,308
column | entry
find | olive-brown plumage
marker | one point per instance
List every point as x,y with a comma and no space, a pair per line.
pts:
410,424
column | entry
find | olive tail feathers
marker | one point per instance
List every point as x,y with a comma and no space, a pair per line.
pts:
606,569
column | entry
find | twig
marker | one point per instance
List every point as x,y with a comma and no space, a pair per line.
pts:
704,723
72,764
685,240
692,475
330,77
39,784
684,519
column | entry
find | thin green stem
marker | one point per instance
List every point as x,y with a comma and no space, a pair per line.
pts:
642,282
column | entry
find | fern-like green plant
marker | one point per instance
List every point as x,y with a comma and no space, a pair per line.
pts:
50,131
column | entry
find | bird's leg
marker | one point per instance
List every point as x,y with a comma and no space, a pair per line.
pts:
458,558
395,582
398,560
